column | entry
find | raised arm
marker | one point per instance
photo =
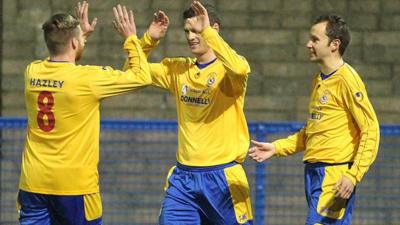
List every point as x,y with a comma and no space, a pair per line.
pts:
156,31
236,64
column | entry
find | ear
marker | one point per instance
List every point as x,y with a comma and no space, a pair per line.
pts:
335,44
216,27
74,43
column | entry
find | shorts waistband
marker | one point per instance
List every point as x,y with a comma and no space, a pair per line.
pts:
205,168
322,164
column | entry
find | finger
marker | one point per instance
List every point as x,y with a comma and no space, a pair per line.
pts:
155,17
256,143
165,18
194,8
131,17
116,15
85,11
78,10
117,18
338,194
252,149
345,195
115,25
337,185
94,22
201,8
120,13
126,15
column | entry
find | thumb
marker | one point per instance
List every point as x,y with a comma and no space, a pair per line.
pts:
94,22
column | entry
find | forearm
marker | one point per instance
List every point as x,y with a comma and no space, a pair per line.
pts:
230,59
290,145
148,44
137,61
366,152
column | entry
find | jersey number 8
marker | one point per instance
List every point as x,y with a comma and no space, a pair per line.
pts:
45,110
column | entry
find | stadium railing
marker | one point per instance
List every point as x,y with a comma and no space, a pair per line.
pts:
135,157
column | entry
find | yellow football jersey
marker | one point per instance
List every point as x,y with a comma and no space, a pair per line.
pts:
62,101
209,101
342,125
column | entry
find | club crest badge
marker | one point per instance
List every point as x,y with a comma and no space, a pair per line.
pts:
324,99
212,77
185,89
358,96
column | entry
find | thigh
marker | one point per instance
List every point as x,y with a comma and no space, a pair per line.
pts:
33,209
75,210
179,205
324,207
227,197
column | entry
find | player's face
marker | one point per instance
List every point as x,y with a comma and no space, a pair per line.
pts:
196,43
81,45
319,47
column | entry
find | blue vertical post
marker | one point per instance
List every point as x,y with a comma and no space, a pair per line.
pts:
260,181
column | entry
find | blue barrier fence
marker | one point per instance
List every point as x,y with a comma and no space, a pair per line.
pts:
136,155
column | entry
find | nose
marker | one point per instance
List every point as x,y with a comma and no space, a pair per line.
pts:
309,44
190,36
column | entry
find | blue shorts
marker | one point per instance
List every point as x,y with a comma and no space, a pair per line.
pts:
217,195
323,207
42,209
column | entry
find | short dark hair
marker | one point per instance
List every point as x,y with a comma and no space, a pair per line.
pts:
58,30
336,28
212,14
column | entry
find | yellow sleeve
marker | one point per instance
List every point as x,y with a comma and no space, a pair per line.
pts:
236,64
109,82
290,145
356,100
164,74
148,44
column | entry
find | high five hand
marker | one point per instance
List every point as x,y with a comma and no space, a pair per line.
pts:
82,14
159,25
201,20
124,22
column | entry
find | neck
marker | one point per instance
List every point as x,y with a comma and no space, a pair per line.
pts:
206,57
331,64
63,58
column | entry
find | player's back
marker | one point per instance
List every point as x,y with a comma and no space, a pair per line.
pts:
61,150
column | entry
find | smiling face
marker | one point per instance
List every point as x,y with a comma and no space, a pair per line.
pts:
195,41
319,46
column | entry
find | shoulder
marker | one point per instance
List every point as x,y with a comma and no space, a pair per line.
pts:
178,60
178,63
93,69
349,77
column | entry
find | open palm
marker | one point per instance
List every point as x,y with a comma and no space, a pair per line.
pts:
201,20
261,151
82,15
159,26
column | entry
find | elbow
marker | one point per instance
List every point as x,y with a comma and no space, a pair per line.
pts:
241,70
148,80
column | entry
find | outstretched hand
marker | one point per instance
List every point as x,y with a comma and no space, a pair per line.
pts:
124,22
200,21
159,25
82,15
261,151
